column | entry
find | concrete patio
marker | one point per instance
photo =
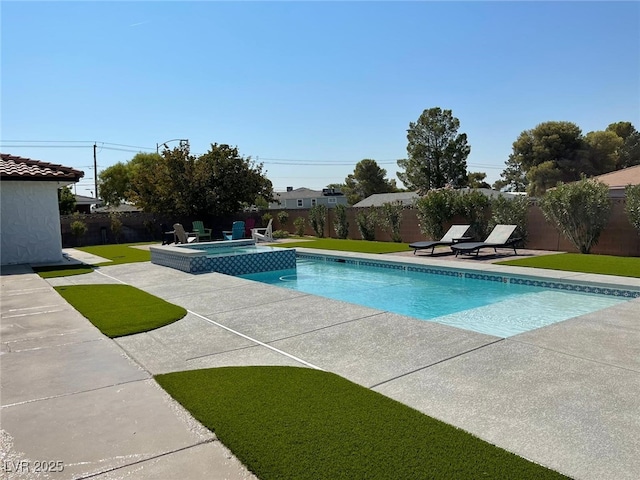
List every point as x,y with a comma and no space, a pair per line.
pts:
566,396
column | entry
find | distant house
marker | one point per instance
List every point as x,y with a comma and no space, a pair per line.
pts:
29,214
307,198
618,180
408,198
83,203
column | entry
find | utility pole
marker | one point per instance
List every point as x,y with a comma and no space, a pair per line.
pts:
95,169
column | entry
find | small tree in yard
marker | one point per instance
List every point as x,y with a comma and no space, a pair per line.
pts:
632,206
392,219
78,227
435,209
367,219
318,216
579,210
341,225
116,226
299,223
283,217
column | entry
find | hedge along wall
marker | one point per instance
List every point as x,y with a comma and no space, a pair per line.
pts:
619,237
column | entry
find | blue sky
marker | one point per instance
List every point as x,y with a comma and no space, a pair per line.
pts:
307,88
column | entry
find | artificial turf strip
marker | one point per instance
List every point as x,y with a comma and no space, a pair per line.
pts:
62,270
298,423
578,262
361,246
120,253
119,310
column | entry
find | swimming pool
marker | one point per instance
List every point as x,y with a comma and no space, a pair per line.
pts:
487,303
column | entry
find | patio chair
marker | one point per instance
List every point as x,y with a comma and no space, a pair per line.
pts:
500,237
203,233
236,232
265,234
182,236
249,223
455,234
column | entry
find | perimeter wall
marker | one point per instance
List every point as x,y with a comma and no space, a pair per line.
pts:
619,237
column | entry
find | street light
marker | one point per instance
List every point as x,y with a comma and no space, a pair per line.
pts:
183,143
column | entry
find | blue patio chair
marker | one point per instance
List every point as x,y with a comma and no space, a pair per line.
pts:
236,232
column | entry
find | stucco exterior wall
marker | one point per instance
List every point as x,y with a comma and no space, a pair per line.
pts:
30,222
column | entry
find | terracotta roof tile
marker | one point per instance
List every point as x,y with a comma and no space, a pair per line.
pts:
19,168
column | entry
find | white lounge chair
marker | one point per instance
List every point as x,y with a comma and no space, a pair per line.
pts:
500,237
265,234
455,233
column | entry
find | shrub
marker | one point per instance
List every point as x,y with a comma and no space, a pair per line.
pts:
367,219
116,226
579,210
280,234
340,224
474,206
283,217
392,219
632,206
78,227
300,223
435,209
265,218
317,217
513,211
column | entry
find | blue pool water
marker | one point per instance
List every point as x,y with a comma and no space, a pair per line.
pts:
496,308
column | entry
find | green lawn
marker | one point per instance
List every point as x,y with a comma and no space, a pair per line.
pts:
299,423
119,310
62,270
120,253
361,246
577,262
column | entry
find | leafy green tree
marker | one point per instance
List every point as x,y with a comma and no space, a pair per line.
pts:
629,152
367,179
604,149
435,209
391,213
66,201
513,177
340,224
318,217
477,180
437,153
579,210
219,182
114,182
542,176
632,206
557,145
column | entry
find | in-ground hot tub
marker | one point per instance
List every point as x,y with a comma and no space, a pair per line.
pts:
235,257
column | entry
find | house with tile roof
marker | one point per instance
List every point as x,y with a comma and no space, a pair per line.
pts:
29,217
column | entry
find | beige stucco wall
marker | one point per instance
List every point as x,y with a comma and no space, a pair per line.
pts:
30,223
